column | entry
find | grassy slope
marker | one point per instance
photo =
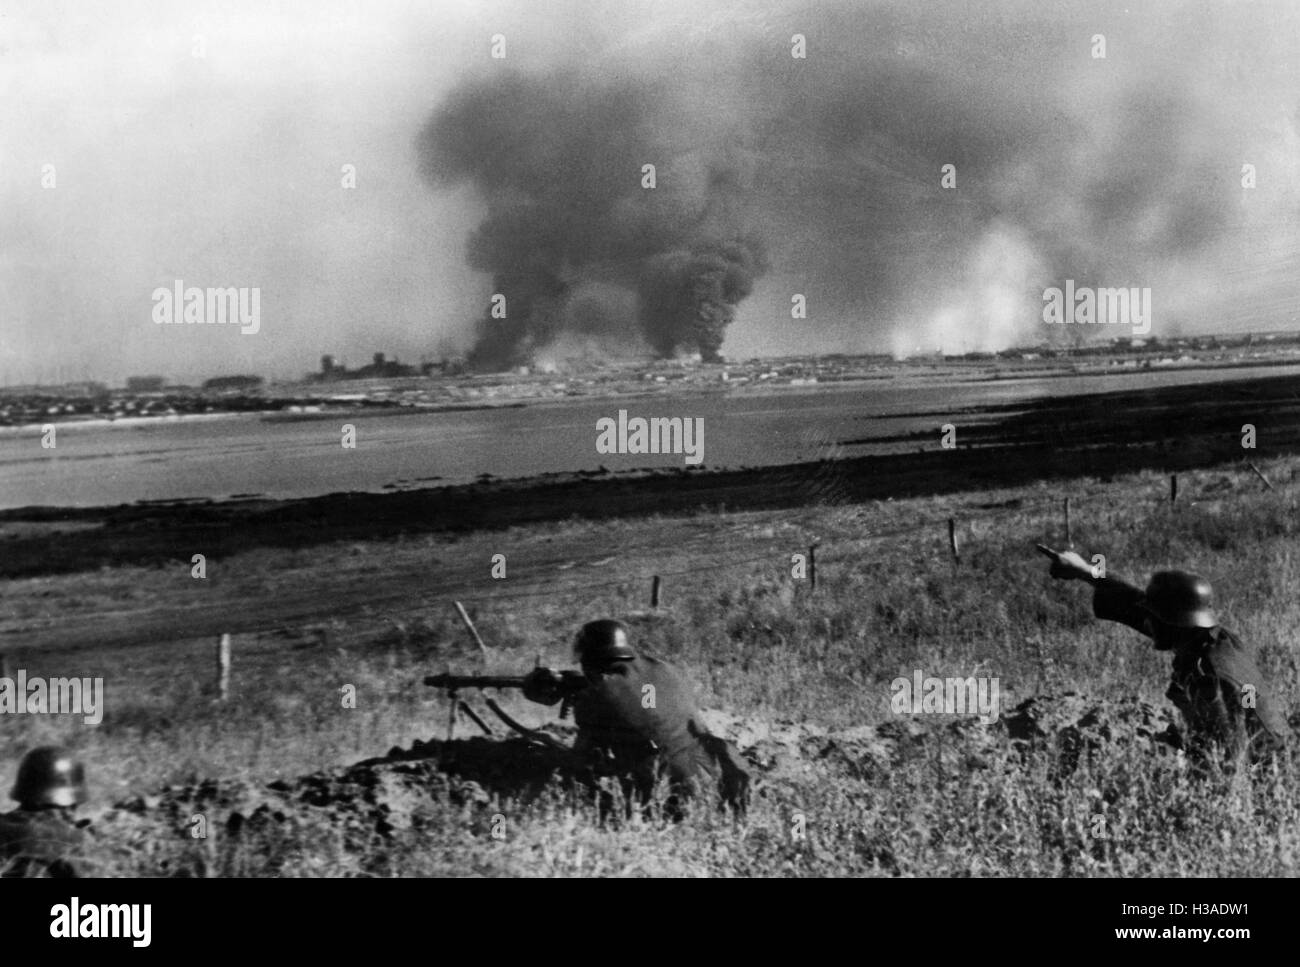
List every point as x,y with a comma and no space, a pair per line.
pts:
759,646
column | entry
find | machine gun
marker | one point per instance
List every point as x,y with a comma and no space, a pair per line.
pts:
562,685
547,686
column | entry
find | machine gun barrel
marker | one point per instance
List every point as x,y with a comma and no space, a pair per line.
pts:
454,682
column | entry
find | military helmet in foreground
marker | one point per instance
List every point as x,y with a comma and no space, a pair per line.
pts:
49,776
1180,600
602,641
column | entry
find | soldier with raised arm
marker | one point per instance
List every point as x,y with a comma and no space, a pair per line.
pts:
1216,681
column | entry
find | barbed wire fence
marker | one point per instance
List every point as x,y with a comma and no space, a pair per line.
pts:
950,530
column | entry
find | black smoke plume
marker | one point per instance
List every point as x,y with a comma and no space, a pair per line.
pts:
559,162
689,297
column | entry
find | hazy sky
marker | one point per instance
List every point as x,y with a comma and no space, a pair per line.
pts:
224,169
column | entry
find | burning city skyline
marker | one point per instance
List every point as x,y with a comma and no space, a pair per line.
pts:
226,163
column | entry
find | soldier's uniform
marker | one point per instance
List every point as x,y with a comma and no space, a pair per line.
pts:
637,719
40,842
42,837
1216,681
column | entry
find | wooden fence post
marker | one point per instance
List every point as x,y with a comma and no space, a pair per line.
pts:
223,668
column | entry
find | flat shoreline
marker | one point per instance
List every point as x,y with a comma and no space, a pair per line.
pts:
903,375
159,462
1097,435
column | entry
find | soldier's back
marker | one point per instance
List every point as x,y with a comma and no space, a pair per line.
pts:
639,701
1219,687
645,711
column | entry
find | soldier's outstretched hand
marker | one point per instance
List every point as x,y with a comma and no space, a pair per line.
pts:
1067,565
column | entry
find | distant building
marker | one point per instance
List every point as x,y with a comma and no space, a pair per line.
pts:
145,384
330,369
233,383
380,368
383,368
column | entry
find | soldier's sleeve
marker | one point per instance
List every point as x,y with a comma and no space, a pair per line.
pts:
10,838
591,716
1234,663
37,845
1116,600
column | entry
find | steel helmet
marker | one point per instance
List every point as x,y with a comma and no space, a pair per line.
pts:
602,641
49,776
1180,600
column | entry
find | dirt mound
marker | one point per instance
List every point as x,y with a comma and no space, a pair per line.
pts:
1079,728
386,799
1070,724
1074,714
473,770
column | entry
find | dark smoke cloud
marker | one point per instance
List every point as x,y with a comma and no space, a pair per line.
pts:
688,297
558,161
824,173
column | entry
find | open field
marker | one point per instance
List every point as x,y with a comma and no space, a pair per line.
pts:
800,680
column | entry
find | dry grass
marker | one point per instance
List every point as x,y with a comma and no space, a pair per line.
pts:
760,646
